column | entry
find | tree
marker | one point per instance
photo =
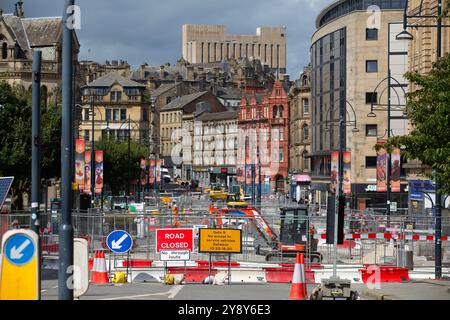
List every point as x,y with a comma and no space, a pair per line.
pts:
428,110
15,140
115,156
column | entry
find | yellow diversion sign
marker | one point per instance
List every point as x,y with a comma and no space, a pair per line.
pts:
19,273
220,241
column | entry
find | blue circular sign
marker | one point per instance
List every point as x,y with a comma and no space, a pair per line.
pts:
119,241
19,249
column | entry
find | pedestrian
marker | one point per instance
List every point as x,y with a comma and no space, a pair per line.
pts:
301,201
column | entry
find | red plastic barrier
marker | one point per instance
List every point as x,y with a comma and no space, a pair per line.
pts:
384,274
202,263
192,275
284,275
137,263
307,267
348,244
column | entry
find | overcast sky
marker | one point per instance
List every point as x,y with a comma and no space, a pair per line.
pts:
150,30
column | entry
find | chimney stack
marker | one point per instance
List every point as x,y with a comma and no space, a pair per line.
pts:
162,73
19,9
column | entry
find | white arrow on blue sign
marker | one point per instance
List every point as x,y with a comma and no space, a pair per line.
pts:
119,241
19,249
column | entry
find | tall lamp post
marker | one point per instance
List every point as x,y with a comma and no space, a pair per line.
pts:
389,107
419,19
342,123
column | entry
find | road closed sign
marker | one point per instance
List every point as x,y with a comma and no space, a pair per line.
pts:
174,240
220,241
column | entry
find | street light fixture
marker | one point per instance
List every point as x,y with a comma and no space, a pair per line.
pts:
405,35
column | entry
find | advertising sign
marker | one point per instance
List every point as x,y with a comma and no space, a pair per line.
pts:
381,169
174,239
395,170
347,183
220,241
79,162
98,171
334,171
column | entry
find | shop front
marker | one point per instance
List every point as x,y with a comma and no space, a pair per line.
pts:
300,185
365,196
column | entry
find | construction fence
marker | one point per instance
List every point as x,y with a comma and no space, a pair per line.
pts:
369,239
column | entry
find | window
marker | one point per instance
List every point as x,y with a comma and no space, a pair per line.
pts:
281,158
86,135
123,114
371,34
305,106
119,96
168,100
371,66
306,161
371,97
113,96
116,115
371,130
371,162
108,114
305,133
4,50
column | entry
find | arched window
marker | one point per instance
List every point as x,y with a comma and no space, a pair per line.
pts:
281,109
4,50
306,164
275,111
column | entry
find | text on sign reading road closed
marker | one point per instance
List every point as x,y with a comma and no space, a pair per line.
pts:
174,239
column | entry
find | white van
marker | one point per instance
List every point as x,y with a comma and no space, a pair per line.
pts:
165,175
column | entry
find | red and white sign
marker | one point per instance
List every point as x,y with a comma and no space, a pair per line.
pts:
174,239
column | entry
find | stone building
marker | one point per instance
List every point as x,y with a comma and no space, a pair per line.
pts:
300,134
210,147
263,138
352,51
171,119
20,37
120,109
91,70
211,43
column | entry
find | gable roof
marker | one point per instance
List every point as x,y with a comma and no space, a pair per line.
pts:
180,102
111,78
43,32
163,89
215,116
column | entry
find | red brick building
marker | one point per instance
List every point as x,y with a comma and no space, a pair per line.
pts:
264,136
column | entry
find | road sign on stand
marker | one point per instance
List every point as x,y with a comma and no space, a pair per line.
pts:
119,241
174,244
175,255
19,275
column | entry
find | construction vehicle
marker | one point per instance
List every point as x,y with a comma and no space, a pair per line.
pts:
293,238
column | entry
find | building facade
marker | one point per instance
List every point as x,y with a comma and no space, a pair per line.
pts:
352,52
119,107
20,37
300,135
211,43
263,139
210,147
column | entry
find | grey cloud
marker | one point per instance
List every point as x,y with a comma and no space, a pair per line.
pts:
150,31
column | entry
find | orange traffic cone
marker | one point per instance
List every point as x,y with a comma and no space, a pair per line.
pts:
99,274
299,290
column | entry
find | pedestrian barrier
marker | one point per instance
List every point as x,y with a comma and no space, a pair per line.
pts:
193,275
298,289
376,273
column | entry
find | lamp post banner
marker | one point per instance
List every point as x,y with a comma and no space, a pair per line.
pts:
143,172
87,172
80,147
334,170
381,169
152,171
158,170
347,183
395,170
98,171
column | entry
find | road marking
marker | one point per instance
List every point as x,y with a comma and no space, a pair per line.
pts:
174,291
137,296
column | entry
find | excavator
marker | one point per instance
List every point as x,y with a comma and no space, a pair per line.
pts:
293,237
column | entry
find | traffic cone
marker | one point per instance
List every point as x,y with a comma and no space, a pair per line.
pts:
100,275
94,267
299,290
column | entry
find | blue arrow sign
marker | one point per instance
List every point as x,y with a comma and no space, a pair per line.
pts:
19,249
119,241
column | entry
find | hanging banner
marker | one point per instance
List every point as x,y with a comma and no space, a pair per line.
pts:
80,146
395,170
347,184
152,171
158,171
87,172
143,172
334,171
248,174
240,174
381,169
98,171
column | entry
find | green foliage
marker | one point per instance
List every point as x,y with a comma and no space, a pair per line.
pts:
15,139
116,162
428,110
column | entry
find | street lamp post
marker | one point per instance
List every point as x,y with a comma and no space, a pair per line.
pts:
405,35
92,114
